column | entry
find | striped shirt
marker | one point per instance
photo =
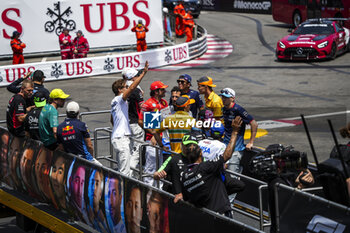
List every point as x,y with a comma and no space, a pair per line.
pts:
177,125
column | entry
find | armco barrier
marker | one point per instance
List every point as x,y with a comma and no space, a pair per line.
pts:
78,68
95,196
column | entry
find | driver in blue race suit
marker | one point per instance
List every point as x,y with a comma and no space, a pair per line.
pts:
212,148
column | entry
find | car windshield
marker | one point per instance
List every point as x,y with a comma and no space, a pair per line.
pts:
319,29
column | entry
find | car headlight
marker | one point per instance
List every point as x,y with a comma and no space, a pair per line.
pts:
322,45
281,45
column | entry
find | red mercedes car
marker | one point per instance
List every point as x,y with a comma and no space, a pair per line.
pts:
314,39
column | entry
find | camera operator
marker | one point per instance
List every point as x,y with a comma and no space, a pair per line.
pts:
299,178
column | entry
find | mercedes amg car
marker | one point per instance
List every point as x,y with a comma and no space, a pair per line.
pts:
314,39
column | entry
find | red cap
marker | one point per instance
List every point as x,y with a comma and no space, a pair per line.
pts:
157,85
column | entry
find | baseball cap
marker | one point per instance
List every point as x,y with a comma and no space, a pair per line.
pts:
58,94
129,73
228,92
72,107
189,138
183,101
185,77
157,85
39,99
206,80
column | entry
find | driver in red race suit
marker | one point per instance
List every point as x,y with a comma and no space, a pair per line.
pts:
66,44
80,45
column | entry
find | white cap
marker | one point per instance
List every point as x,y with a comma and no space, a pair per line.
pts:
129,73
72,107
228,92
165,10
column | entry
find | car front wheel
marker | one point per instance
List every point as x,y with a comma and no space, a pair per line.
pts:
333,53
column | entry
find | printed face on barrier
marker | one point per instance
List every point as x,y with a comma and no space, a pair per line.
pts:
98,188
133,210
78,186
13,159
155,212
57,178
42,164
3,153
115,198
26,166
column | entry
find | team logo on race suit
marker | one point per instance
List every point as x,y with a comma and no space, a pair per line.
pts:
322,224
151,120
109,66
56,70
167,56
58,19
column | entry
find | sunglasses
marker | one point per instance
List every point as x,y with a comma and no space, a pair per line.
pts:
181,81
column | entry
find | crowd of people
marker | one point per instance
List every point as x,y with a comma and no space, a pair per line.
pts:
32,112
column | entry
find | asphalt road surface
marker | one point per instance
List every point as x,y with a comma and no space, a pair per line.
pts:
268,89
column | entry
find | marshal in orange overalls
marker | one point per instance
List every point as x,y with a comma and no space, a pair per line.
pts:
179,11
188,24
140,30
17,47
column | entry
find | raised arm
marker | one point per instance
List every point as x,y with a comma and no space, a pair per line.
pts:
236,125
134,85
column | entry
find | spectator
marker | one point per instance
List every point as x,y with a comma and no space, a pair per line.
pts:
153,104
174,166
74,135
175,94
120,121
184,82
31,122
48,120
66,45
231,110
212,100
17,109
38,80
135,101
201,181
17,47
178,124
140,31
187,21
80,45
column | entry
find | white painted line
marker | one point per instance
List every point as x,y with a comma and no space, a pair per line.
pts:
319,115
213,55
199,61
44,59
220,46
218,43
272,124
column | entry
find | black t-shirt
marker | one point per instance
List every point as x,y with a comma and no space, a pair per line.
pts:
15,108
173,166
135,100
202,185
31,123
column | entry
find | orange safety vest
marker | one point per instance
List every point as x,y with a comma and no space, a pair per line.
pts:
188,20
141,32
17,46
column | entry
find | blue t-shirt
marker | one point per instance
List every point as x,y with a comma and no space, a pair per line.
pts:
197,105
229,115
71,133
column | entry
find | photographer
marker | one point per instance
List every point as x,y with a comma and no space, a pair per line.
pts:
290,168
